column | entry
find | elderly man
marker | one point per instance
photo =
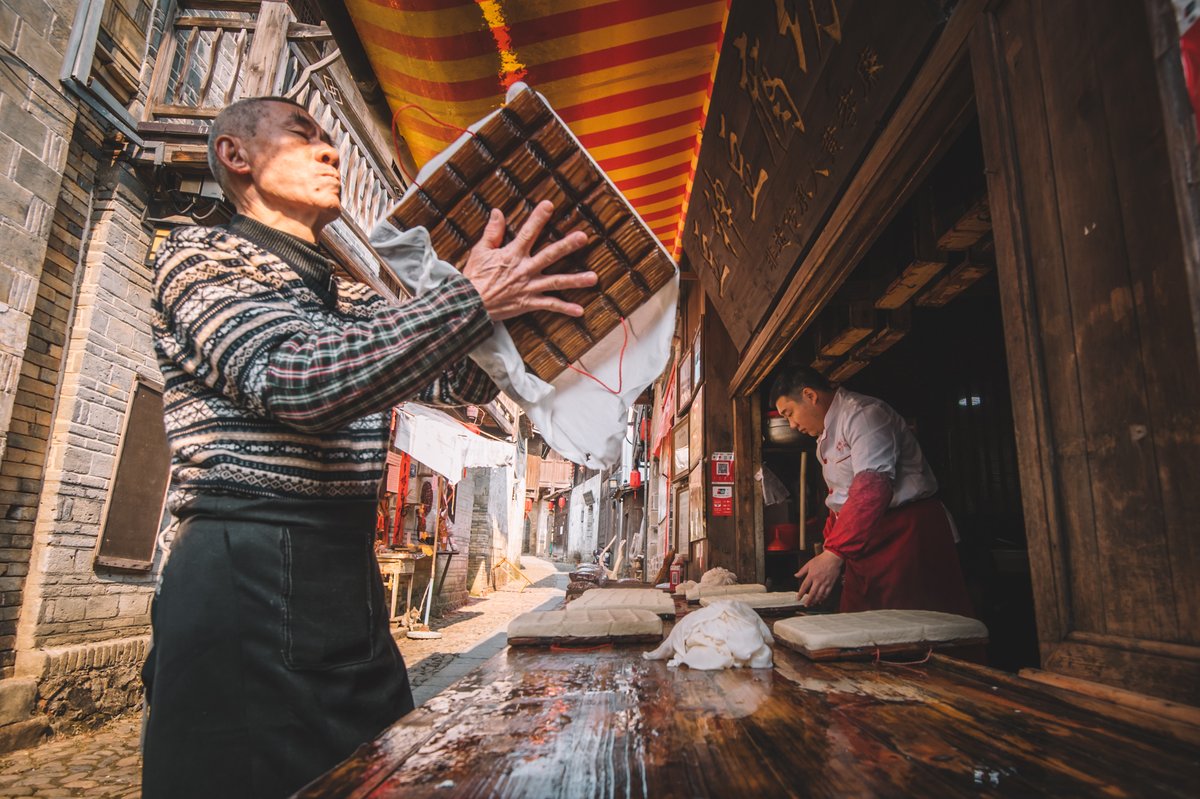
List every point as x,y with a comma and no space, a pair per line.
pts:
272,655
885,529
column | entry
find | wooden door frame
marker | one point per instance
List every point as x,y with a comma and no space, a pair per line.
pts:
1023,347
1183,147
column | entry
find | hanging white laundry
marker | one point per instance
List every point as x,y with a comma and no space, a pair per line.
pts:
442,443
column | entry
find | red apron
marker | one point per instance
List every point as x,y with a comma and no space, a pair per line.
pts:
909,563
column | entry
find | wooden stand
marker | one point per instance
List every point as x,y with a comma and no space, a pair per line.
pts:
505,563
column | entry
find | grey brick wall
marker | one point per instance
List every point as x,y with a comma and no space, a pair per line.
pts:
69,600
43,203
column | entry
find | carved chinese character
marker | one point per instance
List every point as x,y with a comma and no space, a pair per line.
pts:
788,21
722,213
868,68
847,108
830,143
772,100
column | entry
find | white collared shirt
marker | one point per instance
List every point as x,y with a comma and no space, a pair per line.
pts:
865,434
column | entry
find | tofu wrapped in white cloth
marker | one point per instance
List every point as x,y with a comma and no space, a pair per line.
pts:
721,636
718,575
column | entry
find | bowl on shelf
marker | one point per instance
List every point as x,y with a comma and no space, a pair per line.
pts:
780,432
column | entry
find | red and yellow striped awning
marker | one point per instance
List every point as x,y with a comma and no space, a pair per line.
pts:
631,78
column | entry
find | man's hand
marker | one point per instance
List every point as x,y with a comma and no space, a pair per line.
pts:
819,575
510,279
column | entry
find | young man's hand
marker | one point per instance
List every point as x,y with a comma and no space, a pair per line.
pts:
509,278
819,576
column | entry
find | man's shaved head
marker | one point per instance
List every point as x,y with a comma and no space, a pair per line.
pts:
239,119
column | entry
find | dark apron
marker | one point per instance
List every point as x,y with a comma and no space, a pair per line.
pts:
272,657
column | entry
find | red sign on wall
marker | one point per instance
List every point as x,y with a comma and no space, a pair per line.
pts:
722,500
722,467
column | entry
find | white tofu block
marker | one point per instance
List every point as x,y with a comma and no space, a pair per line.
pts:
775,600
650,599
585,623
877,628
711,591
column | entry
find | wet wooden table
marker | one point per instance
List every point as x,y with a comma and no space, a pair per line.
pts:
537,723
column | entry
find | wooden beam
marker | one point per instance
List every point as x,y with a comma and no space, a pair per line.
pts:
959,279
897,326
915,277
968,229
266,49
847,369
188,155
927,260
298,31
823,364
214,23
844,327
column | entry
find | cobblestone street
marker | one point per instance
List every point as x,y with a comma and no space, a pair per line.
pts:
106,764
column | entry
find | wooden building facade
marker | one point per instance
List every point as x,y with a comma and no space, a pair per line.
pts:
984,212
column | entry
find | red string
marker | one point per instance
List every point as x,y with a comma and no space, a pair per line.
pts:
620,365
396,130
925,659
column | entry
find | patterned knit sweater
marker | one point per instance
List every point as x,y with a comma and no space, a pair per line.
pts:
278,375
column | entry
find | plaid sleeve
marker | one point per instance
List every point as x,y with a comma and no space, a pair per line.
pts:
239,333
462,384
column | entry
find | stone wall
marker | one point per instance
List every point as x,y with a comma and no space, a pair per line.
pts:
37,208
85,685
69,600
454,593
484,524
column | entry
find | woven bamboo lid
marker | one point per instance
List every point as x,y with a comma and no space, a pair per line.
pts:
518,158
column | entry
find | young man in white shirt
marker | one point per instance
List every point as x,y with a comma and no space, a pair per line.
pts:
892,539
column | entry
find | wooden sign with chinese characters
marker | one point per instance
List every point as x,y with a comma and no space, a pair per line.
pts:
799,96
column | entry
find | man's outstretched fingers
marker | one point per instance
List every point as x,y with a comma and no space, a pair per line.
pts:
532,228
493,231
548,303
555,251
563,281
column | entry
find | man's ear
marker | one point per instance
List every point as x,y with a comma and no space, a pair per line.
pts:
810,396
232,155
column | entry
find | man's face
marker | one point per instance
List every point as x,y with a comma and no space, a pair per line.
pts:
803,412
294,165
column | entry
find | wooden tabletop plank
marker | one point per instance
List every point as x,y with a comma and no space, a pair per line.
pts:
607,722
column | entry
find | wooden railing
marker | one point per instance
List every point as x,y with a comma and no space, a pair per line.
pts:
218,51
199,64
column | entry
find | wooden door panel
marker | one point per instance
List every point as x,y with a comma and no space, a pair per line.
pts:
1098,321
1130,545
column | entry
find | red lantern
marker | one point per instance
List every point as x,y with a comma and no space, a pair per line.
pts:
635,479
562,502
528,505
